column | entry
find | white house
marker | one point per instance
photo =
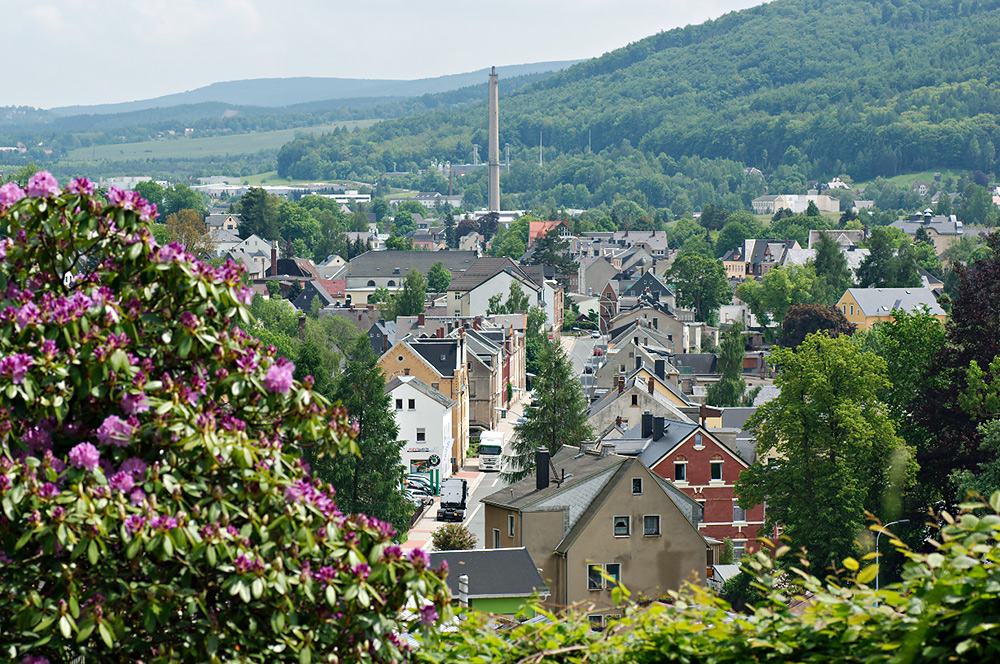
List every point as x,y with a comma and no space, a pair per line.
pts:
423,415
469,293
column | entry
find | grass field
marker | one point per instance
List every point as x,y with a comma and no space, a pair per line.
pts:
907,179
209,146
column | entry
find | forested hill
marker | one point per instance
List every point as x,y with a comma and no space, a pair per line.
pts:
824,87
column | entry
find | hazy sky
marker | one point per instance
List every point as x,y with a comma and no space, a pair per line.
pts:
64,52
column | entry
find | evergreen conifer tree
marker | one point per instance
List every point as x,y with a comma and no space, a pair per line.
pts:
729,391
558,418
371,482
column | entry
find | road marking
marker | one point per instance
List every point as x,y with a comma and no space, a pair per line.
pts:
468,521
495,481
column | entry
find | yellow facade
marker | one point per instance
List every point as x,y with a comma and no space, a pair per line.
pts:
853,312
401,357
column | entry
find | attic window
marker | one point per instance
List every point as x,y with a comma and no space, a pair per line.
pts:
395,270
443,357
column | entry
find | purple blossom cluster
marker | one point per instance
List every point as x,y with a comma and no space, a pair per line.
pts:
245,564
131,200
10,193
116,431
15,367
279,377
84,455
311,493
42,185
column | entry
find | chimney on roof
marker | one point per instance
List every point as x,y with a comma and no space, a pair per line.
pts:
406,371
607,449
274,258
660,369
659,426
586,447
421,319
440,333
650,384
621,384
618,421
647,425
541,469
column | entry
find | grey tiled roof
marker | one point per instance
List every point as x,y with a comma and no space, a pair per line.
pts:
883,301
492,572
384,263
421,387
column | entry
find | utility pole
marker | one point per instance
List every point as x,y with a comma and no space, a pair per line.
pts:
539,148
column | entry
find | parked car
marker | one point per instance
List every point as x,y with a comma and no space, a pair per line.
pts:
598,352
595,335
418,498
422,490
419,479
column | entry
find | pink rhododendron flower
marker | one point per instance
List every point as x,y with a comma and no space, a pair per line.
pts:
84,455
15,367
134,403
42,185
428,615
115,431
279,377
10,193
121,482
80,186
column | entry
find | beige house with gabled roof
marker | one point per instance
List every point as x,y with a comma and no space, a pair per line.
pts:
591,519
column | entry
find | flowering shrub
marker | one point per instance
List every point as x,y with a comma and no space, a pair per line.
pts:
154,505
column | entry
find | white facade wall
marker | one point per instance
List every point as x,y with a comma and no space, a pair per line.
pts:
435,421
477,301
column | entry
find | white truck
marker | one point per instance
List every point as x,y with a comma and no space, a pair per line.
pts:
454,494
490,450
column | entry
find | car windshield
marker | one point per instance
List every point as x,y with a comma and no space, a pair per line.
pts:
489,449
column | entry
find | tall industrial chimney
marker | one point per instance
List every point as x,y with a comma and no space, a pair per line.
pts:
494,173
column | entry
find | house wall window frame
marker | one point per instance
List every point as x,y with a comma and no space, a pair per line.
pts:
510,525
601,576
411,404
651,525
636,486
621,525
739,514
496,538
399,404
680,471
716,467
421,435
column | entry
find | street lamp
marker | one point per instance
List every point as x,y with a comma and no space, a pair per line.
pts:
879,555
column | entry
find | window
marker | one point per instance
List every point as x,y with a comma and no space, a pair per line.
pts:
623,526
651,525
680,472
699,442
739,514
739,550
436,386
421,436
623,368
852,309
596,621
614,571
636,486
371,282
635,399
458,296
595,577
391,283
510,525
496,538
411,404
716,471
399,404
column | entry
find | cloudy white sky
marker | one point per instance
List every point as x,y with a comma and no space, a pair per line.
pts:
64,52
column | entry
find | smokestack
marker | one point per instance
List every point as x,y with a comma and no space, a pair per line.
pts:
274,258
541,469
647,425
650,384
494,167
421,319
660,369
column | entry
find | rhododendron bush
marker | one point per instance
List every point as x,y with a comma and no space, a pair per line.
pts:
154,505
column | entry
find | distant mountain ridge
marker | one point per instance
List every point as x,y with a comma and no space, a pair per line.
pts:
282,92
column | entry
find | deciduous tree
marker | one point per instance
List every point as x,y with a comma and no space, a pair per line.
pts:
438,278
801,320
700,284
836,451
731,390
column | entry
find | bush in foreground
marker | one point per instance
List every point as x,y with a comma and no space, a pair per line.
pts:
944,610
154,505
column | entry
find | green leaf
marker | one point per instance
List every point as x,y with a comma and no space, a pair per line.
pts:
93,553
305,655
995,501
257,587
64,627
851,564
106,635
868,574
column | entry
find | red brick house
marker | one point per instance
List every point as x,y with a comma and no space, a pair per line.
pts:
702,466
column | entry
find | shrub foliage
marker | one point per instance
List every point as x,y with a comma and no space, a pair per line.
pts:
154,504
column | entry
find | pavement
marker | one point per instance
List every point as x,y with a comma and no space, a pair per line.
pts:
419,536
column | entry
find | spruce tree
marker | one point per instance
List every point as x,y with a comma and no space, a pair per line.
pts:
371,482
730,388
558,418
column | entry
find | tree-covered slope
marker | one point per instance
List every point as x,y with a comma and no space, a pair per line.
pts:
867,87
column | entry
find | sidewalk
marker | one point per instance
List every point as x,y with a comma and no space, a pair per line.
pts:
420,535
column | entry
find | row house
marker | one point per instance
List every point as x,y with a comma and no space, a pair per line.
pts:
442,363
701,465
756,258
591,520
424,417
